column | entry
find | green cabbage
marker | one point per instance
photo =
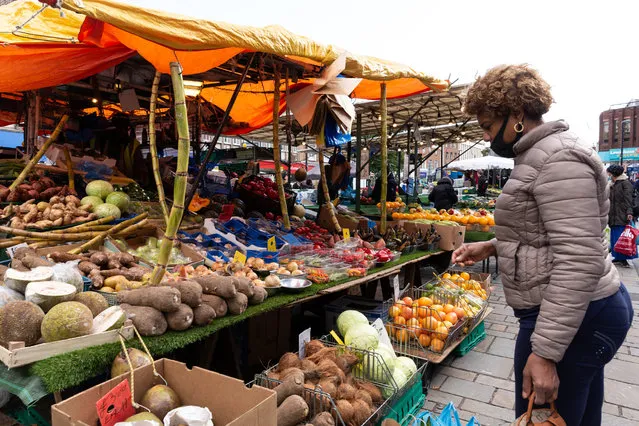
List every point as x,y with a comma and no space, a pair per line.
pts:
99,188
348,319
106,209
93,200
119,199
407,365
400,378
374,365
362,337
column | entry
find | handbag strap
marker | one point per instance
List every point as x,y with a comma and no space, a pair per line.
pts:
554,419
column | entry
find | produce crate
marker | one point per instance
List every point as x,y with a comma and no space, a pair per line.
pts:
111,298
407,405
471,340
262,204
27,416
371,309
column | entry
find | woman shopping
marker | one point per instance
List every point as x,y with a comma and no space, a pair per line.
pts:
574,313
620,210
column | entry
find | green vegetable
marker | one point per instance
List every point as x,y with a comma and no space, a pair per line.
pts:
99,188
362,337
374,365
407,365
348,319
106,209
93,200
119,199
400,378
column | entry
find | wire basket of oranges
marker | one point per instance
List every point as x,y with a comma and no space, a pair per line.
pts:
392,207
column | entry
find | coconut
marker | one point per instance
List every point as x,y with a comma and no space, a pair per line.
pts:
138,359
109,319
145,416
47,294
65,321
20,321
18,280
93,300
160,399
99,188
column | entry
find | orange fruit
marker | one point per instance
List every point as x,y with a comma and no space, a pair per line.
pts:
423,312
414,332
424,301
402,335
413,322
454,277
491,221
436,345
407,301
465,276
446,276
441,332
407,313
395,216
460,313
472,220
437,307
394,311
424,340
399,321
438,315
452,318
431,323
448,308
448,324
482,221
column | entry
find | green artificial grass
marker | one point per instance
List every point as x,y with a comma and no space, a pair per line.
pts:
475,236
73,368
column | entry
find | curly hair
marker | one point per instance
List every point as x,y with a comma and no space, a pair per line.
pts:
508,88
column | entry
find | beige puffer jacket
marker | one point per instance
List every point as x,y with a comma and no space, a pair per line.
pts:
550,221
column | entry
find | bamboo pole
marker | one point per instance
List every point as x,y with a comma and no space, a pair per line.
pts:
86,225
181,172
102,235
39,154
277,156
153,147
383,142
67,157
327,196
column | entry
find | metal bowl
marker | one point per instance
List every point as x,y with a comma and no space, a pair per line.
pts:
272,290
289,276
295,284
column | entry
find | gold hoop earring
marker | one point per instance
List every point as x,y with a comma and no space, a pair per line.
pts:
519,127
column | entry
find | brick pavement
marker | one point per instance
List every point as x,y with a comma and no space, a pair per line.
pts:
481,383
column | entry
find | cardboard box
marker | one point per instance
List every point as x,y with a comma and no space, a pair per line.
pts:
452,237
228,399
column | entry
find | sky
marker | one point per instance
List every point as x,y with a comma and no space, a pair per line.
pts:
586,50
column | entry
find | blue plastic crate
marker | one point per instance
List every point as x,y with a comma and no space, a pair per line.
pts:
234,226
267,256
213,254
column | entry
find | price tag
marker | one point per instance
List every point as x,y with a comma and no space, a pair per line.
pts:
378,325
336,337
116,405
346,233
303,338
271,244
12,250
396,286
239,257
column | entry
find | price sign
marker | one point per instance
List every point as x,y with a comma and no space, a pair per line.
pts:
346,233
239,257
271,244
396,286
12,250
116,405
303,338
378,325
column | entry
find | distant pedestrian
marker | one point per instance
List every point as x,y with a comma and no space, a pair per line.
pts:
620,210
443,195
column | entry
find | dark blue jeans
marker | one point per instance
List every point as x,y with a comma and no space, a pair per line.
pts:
581,371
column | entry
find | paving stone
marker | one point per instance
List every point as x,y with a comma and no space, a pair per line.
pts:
437,380
429,406
498,327
503,347
484,344
634,351
512,320
628,413
496,412
484,364
628,358
460,374
503,334
468,389
609,420
498,383
483,419
622,371
613,409
513,329
504,398
623,394
443,397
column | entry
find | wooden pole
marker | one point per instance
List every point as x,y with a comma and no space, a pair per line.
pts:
289,140
327,197
358,164
384,140
277,156
70,173
113,230
154,149
181,173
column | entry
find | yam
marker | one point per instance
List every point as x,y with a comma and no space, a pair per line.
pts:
292,411
148,321
289,360
86,267
126,259
61,257
345,410
113,264
326,353
18,266
164,299
238,304
97,280
223,287
217,303
181,319
307,365
137,273
323,419
291,385
99,258
31,261
203,315
190,292
244,285
259,295
23,252
3,269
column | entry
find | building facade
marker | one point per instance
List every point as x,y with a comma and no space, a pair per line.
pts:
617,124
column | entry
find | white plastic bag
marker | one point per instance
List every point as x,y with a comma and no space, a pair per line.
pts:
189,415
8,295
69,273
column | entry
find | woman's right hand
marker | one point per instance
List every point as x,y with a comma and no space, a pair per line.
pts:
469,254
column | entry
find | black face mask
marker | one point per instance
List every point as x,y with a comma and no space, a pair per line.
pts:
502,148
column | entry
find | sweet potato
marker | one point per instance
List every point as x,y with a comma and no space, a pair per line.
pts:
148,321
217,303
203,315
292,411
18,266
292,385
86,267
190,292
99,258
22,252
126,259
137,273
259,295
216,285
164,299
181,319
31,261
237,304
97,280
62,257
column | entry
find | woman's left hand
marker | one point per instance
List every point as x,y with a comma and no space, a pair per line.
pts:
541,376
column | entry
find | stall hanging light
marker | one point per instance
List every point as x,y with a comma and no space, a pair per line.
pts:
193,88
94,100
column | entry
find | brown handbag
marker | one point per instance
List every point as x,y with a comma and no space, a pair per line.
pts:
540,416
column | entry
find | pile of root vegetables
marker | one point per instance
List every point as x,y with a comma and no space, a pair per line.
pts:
327,369
58,211
39,188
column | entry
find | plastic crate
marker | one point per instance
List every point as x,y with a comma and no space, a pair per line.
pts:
111,298
403,411
27,416
371,309
474,337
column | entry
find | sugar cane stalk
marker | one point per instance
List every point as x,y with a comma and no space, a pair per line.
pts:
276,151
153,147
102,235
67,157
327,196
383,142
181,172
